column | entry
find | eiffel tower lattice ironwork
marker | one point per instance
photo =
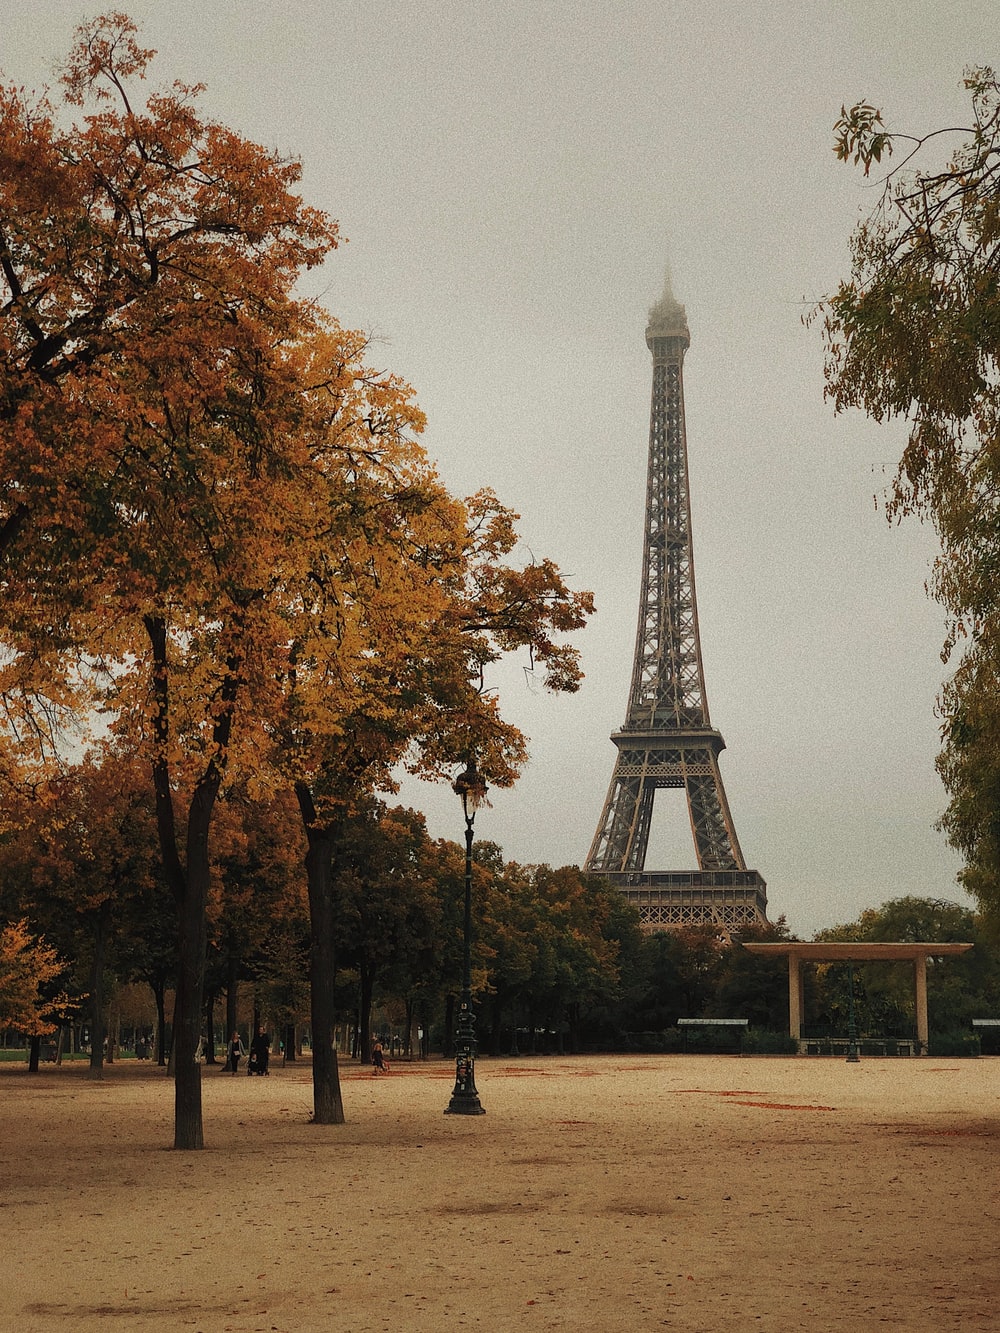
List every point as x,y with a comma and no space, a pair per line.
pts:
668,739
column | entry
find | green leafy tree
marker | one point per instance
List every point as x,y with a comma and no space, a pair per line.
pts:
958,989
750,986
387,911
914,333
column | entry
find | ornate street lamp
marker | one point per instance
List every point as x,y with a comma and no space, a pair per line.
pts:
853,1057
465,1099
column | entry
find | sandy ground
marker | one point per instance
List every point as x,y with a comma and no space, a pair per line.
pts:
678,1192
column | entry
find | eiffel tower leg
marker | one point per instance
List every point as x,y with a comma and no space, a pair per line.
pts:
623,832
711,822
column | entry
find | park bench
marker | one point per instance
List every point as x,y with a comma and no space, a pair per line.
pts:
988,1032
891,1046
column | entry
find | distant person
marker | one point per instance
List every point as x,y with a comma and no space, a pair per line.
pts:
260,1053
379,1062
235,1052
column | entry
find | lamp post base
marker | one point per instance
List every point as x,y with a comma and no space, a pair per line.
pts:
465,1104
465,1097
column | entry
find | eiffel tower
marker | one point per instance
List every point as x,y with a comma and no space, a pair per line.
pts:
668,739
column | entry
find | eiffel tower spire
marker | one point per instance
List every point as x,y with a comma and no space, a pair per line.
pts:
668,739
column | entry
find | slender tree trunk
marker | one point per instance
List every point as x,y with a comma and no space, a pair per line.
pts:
97,1025
188,879
449,1027
34,1053
232,992
366,975
408,1047
210,1025
159,990
289,1042
192,936
328,1102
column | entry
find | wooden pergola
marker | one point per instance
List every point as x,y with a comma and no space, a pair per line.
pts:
799,953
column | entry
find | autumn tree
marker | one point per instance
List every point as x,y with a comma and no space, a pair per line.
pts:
148,258
421,603
27,967
83,863
216,520
914,334
94,866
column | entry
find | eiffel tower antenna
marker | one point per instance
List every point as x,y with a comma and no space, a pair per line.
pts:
668,739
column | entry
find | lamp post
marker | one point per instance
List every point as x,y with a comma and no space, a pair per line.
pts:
465,1099
853,1057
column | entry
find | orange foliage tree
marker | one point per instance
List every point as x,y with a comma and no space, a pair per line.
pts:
216,520
148,400
434,601
27,965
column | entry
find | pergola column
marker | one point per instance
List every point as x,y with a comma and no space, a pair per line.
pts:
794,995
920,978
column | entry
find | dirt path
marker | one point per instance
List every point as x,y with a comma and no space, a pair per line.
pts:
688,1193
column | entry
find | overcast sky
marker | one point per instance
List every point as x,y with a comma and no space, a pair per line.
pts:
513,179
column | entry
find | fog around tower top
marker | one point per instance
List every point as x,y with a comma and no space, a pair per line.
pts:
667,312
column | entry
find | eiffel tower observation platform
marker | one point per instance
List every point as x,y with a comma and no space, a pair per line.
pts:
666,899
668,739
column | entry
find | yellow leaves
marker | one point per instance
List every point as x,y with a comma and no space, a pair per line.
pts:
27,965
193,448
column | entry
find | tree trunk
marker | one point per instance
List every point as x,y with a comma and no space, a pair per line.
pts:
232,993
449,1027
188,879
188,1006
210,1025
159,995
366,975
97,1026
408,1046
328,1103
34,1052
289,1042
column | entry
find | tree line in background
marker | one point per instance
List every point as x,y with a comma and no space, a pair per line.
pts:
559,960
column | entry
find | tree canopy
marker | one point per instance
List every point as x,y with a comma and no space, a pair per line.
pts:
27,967
914,333
216,522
